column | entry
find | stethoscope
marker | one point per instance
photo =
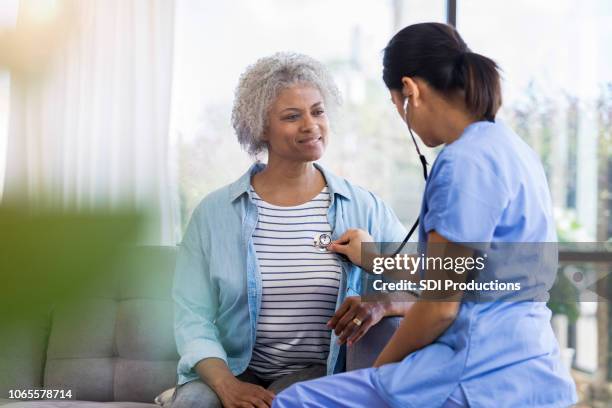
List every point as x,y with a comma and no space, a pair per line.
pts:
322,241
423,163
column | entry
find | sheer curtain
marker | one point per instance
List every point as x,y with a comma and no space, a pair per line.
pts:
8,19
90,128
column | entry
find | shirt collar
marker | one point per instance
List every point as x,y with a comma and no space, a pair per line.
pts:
335,184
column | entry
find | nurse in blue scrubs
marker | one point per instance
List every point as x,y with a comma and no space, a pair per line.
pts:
486,186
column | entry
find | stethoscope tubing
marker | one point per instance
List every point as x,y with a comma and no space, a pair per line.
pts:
424,164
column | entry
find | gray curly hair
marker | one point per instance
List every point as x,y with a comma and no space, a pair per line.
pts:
260,85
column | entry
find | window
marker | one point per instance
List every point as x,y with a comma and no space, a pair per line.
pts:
558,97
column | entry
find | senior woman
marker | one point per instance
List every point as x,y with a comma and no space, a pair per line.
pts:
256,301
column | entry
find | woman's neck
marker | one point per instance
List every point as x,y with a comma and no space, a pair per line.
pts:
454,125
455,118
288,183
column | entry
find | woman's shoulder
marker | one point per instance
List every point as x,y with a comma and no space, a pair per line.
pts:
485,139
222,197
218,203
364,209
344,187
214,199
487,146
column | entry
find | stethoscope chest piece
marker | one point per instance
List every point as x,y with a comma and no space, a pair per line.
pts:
322,241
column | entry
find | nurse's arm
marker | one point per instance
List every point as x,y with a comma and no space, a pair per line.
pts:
426,320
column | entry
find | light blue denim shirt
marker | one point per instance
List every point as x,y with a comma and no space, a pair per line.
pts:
217,284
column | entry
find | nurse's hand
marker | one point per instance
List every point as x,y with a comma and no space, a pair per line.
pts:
349,244
343,322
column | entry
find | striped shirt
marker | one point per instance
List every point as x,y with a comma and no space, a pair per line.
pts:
299,287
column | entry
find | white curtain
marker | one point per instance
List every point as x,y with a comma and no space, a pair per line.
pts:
91,128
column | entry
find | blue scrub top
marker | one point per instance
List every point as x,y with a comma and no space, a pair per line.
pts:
488,186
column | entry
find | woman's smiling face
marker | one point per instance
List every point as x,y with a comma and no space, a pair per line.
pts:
297,125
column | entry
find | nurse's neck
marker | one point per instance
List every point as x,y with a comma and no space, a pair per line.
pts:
452,118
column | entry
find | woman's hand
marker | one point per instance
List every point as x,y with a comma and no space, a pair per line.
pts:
369,313
349,244
234,393
231,391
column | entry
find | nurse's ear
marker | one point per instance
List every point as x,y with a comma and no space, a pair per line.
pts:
410,89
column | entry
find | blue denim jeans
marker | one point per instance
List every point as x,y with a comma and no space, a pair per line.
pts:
196,394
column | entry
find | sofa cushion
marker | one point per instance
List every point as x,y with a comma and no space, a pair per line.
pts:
22,352
144,329
115,342
138,380
77,404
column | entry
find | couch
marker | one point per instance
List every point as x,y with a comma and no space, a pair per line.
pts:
113,345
